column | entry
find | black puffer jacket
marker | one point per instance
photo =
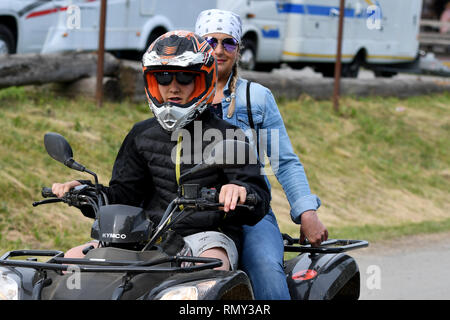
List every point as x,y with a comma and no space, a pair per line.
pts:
144,175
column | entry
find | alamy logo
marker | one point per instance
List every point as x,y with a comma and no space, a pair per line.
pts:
73,281
73,17
374,17
193,153
373,281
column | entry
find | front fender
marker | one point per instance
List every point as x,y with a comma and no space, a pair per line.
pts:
222,285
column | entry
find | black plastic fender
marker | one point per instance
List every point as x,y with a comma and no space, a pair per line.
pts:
224,285
107,285
323,277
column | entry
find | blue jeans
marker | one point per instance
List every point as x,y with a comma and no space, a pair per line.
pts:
262,259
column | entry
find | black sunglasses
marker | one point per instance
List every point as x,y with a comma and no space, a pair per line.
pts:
229,44
165,78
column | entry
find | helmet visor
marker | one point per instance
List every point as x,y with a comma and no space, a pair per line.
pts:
164,78
153,78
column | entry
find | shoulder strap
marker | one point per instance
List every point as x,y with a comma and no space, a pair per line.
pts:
249,106
250,117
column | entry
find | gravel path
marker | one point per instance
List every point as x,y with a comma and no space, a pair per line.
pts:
412,268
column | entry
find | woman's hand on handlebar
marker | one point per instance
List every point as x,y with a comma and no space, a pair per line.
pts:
60,189
231,195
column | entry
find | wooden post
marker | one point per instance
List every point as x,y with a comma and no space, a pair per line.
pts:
337,66
101,54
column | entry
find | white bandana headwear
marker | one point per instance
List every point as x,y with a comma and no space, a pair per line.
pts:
219,21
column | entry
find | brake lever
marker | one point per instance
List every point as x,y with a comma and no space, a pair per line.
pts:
245,206
217,205
38,203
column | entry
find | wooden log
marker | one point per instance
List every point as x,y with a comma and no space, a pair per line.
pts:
36,69
291,87
131,80
86,87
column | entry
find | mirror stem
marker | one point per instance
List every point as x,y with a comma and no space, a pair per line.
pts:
74,165
96,180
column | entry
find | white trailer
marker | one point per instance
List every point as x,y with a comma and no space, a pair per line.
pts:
22,28
377,33
304,33
73,25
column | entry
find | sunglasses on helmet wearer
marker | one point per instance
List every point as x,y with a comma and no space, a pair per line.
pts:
165,78
229,44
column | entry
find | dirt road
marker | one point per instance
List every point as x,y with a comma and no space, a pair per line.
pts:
413,268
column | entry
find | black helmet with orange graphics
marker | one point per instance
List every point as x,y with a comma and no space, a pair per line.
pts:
189,58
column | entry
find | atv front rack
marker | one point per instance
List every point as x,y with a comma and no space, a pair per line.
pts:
329,246
58,263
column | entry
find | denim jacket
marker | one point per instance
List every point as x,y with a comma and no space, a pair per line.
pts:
284,162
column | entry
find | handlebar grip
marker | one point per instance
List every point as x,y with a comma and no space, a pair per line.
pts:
47,193
251,199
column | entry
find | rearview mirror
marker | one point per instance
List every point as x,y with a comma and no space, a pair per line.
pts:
231,154
225,154
57,147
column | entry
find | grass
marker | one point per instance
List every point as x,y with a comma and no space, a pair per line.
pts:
95,135
382,164
381,167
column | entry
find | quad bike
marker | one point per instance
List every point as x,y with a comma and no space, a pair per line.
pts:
137,260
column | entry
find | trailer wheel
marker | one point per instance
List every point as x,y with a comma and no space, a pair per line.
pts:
351,70
384,74
326,69
7,43
348,70
248,54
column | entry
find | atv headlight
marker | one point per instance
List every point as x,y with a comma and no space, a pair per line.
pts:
9,289
188,291
180,293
